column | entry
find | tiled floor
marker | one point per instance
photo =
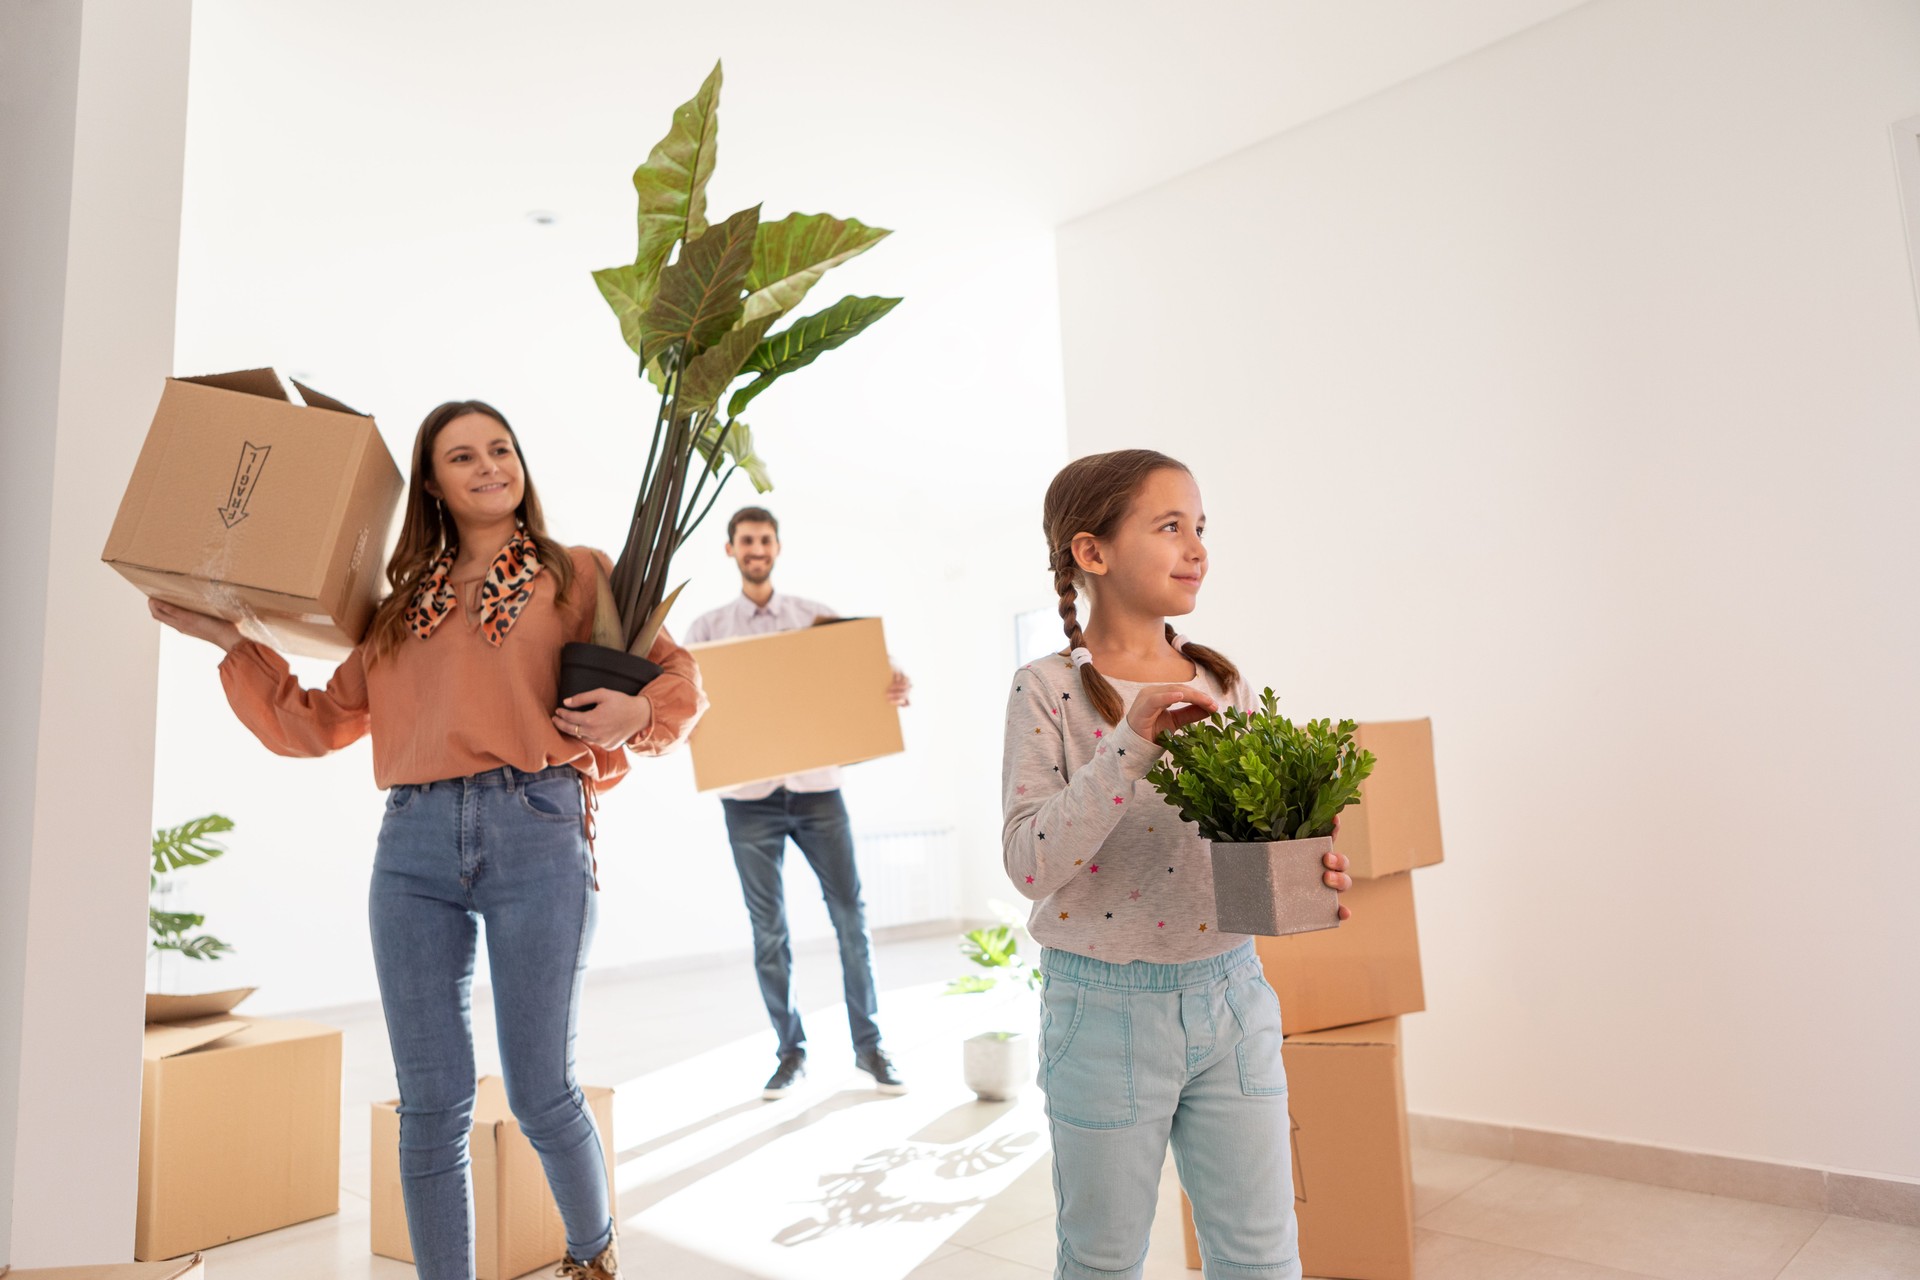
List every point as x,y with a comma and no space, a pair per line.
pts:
837,1181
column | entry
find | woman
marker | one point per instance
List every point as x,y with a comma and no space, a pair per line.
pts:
490,792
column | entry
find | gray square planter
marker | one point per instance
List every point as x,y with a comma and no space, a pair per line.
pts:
1273,888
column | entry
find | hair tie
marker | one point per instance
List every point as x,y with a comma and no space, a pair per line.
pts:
1081,658
1180,643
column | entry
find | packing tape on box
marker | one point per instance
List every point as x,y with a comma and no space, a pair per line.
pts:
223,599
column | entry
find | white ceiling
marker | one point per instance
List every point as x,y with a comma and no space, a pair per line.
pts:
319,126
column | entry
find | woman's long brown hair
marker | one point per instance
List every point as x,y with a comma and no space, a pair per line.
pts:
427,532
1093,495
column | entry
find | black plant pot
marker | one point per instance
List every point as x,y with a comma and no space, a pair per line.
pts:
587,667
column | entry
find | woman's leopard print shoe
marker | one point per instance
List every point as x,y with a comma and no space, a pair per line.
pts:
604,1267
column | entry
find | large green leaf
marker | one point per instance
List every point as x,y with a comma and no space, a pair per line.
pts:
733,443
187,845
790,256
805,341
672,184
709,374
628,292
699,296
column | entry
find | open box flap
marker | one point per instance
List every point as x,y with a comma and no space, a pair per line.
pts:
161,1008
171,1039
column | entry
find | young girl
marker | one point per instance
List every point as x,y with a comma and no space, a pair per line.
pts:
489,798
1155,1025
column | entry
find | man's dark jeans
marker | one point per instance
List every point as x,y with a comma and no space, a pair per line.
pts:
817,822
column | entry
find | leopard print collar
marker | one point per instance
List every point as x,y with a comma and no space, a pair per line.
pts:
506,590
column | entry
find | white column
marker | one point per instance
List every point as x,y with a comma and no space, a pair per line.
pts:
93,99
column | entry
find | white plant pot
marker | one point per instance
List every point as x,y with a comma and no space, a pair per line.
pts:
998,1063
1273,888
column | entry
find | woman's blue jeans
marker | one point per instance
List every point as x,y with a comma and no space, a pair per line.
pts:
507,848
1136,1055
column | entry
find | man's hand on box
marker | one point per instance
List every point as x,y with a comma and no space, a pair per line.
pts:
201,626
1336,873
897,691
603,718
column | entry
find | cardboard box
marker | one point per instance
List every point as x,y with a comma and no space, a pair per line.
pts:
268,512
1352,1164
1366,969
189,1268
792,701
1396,825
517,1226
239,1124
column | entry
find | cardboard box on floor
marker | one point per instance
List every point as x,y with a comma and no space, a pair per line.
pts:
189,1268
792,701
239,1124
1366,969
270,513
517,1226
1352,1165
1396,825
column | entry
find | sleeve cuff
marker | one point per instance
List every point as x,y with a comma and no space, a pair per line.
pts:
1134,755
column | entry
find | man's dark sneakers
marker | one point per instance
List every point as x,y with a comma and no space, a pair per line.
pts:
780,1083
876,1064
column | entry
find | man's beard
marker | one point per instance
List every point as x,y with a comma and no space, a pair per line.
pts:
756,574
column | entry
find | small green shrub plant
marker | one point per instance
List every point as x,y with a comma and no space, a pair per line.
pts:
1255,777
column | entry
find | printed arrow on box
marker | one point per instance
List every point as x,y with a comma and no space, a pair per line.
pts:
246,476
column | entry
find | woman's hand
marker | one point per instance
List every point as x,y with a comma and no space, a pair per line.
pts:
201,626
1336,875
603,718
1153,711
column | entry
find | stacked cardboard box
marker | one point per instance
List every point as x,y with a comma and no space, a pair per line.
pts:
517,1227
264,502
1342,993
239,1124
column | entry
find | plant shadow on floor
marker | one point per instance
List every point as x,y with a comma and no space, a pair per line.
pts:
647,1194
854,1198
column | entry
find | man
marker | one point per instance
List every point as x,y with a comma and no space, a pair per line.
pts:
806,807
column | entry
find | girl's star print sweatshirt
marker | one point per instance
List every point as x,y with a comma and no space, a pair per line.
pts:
1113,871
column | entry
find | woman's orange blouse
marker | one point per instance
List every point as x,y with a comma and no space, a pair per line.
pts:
453,705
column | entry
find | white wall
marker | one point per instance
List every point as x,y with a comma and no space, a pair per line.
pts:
1567,394
94,99
897,488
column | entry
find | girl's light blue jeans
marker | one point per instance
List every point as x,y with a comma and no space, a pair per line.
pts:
1136,1055
508,848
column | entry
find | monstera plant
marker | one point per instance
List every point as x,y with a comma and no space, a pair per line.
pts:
706,308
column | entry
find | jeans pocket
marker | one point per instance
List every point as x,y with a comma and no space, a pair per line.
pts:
400,797
554,799
1257,1008
1087,1073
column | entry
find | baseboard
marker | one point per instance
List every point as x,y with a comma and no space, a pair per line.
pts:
1852,1195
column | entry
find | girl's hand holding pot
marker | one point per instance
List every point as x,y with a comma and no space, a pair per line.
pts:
1336,875
200,626
604,718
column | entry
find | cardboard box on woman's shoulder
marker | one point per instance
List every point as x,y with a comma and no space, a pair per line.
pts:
262,501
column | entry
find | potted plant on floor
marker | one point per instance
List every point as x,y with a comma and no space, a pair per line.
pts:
996,1063
187,845
698,306
1265,793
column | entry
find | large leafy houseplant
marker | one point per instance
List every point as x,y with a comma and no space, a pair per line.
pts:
188,845
698,306
1265,792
